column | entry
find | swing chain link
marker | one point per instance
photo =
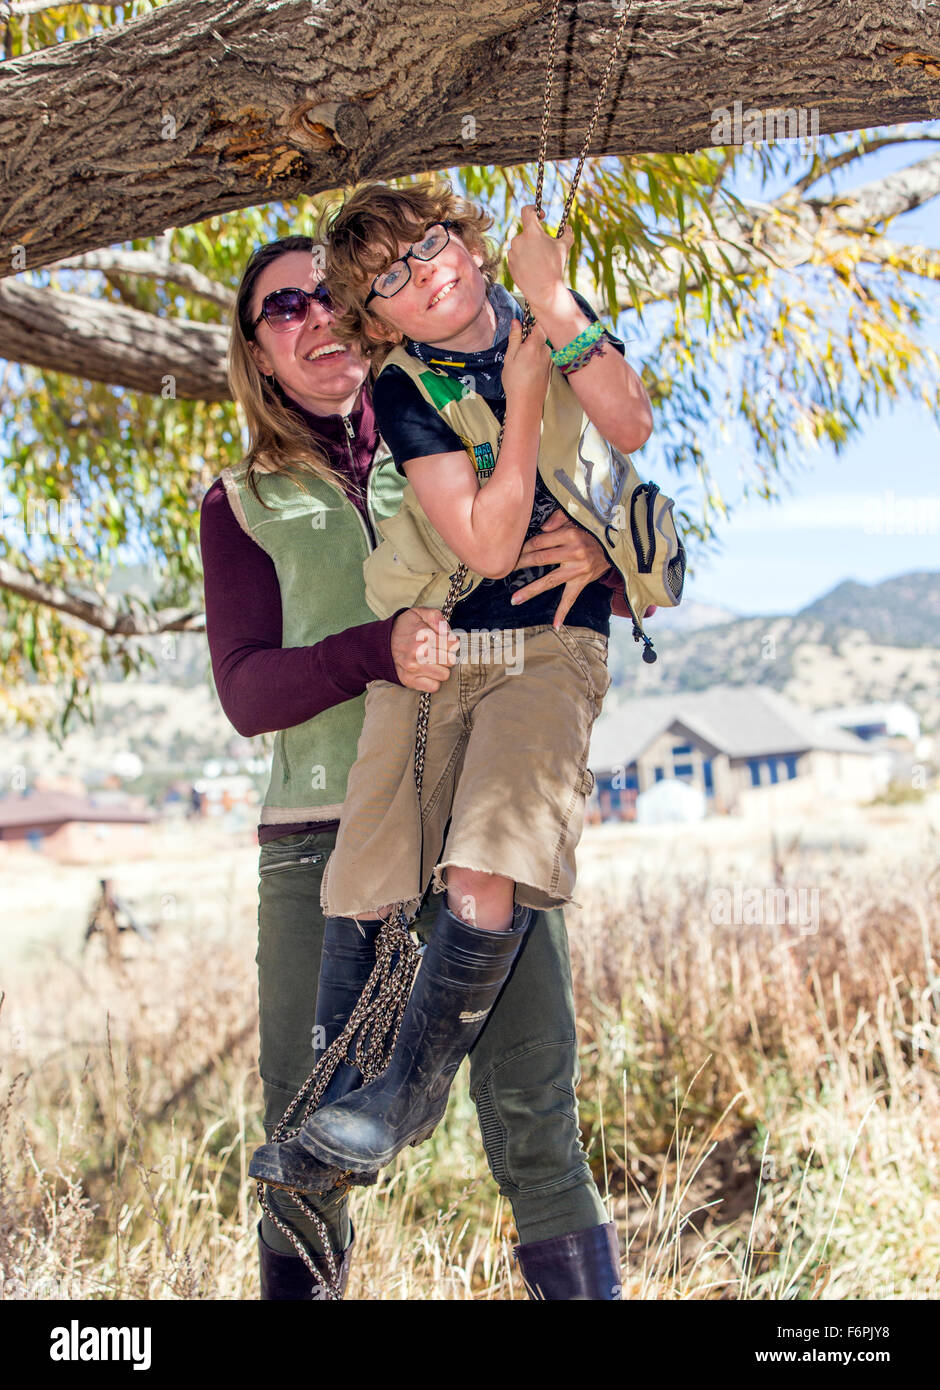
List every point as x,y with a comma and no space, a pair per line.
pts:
529,319
424,704
378,1014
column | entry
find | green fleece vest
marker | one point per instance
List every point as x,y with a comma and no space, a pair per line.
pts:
592,481
318,541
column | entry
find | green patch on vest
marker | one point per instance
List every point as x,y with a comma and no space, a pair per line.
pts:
442,389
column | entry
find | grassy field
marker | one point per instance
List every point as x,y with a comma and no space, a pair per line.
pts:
760,1103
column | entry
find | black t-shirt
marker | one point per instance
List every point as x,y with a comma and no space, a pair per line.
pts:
412,428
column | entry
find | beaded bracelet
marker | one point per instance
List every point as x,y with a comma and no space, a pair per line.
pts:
574,349
594,350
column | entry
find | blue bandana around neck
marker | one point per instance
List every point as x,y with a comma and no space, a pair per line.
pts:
486,365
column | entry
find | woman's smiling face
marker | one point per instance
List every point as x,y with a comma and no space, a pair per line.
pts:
304,358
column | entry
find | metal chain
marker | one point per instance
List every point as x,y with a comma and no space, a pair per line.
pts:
378,1013
424,704
543,137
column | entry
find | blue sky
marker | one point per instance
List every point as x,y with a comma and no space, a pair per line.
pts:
857,516
868,514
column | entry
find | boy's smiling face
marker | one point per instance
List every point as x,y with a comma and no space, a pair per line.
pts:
444,302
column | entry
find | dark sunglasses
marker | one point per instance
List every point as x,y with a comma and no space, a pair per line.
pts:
284,309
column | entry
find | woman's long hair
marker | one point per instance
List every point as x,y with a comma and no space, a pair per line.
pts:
279,441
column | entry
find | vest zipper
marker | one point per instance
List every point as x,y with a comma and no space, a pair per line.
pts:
372,521
350,436
646,559
365,530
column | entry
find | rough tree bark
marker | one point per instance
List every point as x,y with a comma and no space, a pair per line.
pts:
209,105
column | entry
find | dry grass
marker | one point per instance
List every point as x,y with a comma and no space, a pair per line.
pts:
760,1106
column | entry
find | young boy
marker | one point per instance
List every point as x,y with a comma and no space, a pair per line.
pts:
505,774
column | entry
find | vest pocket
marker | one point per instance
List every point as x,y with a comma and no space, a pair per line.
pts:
291,861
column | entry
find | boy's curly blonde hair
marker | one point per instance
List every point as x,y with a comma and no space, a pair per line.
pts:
363,237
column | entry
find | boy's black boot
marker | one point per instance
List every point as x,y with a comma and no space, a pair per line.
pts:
346,962
286,1278
583,1265
461,975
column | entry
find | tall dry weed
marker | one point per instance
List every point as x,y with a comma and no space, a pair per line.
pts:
759,1104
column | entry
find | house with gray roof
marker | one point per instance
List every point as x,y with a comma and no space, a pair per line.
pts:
734,743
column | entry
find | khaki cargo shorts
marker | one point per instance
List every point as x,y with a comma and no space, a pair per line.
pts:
506,761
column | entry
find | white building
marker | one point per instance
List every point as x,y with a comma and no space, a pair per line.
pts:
887,720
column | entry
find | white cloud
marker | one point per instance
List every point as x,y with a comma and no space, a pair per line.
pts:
884,513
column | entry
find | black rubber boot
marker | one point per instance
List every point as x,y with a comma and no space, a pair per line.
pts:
346,962
583,1265
461,975
286,1278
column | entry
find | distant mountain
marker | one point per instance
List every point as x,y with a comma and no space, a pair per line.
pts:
899,612
689,617
858,643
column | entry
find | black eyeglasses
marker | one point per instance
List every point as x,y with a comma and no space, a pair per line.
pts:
284,309
399,272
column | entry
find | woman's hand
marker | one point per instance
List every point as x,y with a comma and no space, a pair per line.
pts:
579,556
423,648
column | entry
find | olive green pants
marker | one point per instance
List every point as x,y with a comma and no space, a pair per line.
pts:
523,1067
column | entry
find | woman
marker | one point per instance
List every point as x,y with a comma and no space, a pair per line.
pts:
293,646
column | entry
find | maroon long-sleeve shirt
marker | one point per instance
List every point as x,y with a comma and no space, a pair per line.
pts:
263,686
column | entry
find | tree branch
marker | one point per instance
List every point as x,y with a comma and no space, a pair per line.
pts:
885,198
150,267
101,341
204,106
788,233
103,614
821,167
